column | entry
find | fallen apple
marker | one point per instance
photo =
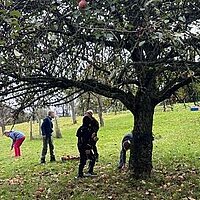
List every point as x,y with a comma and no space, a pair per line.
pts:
41,189
63,158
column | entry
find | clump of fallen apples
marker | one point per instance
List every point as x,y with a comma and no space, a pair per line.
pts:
39,192
16,181
82,4
65,158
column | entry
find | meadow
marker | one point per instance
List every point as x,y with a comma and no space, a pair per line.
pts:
175,159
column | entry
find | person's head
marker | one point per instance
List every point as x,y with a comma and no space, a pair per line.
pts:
86,121
90,112
6,133
127,144
51,114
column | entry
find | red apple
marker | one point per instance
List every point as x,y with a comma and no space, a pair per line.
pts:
82,4
41,189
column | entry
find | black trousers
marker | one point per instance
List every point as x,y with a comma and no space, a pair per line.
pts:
47,141
83,160
95,150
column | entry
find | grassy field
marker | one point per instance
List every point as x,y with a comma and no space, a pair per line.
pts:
176,163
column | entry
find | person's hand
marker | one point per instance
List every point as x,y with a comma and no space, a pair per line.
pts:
123,167
94,135
87,152
95,138
44,136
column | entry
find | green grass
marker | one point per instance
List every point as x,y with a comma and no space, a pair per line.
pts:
176,162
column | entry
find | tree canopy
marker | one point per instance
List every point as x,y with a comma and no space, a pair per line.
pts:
137,51
112,48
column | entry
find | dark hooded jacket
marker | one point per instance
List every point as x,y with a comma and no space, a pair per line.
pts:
84,134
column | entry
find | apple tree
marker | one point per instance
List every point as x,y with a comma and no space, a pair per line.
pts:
137,51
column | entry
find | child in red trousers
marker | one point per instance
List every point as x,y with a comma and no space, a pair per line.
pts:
18,138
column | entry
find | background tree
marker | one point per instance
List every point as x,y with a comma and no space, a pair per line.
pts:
100,110
139,52
31,127
73,111
57,129
5,116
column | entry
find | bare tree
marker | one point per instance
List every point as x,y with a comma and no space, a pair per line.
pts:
5,115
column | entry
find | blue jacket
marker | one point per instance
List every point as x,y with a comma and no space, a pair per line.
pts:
15,135
47,127
122,160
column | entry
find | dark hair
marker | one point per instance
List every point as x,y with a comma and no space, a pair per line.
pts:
86,121
127,144
50,112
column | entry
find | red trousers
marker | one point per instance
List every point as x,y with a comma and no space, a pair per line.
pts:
17,145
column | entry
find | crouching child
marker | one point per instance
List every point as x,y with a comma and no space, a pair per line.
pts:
126,144
85,148
17,140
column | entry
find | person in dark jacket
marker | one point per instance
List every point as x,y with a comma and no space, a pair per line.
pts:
47,130
126,144
95,128
85,147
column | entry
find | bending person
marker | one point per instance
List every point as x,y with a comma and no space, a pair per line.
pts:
126,144
17,138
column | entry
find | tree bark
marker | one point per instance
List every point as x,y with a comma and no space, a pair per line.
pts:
3,128
39,126
31,128
140,162
63,110
73,109
164,106
57,129
88,101
100,110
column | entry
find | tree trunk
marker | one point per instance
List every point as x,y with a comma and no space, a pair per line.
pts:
39,126
184,103
3,128
63,110
88,101
31,128
140,162
164,106
57,129
73,109
100,110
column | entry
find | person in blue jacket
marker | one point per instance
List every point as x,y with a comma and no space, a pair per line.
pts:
47,130
17,140
126,144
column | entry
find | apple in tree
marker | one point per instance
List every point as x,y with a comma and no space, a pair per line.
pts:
82,4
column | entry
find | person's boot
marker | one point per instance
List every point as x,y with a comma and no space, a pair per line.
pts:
42,161
80,171
80,176
52,159
90,170
91,174
97,157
